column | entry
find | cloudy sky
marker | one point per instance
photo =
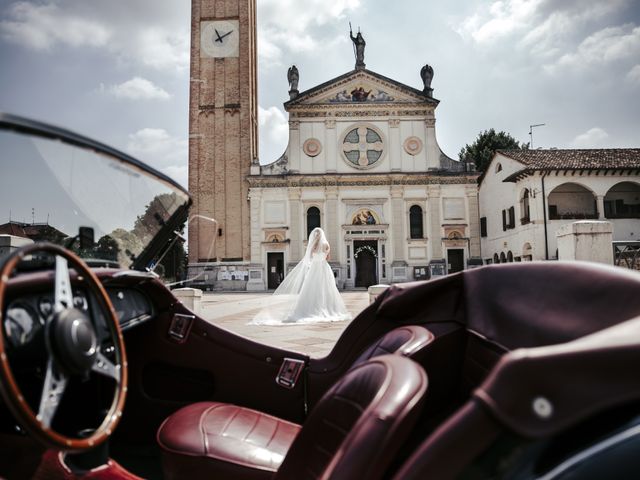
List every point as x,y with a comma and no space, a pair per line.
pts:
118,71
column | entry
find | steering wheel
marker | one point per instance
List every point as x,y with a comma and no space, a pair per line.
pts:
73,348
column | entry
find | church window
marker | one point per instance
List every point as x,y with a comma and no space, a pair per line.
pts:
498,168
313,219
415,222
363,146
483,227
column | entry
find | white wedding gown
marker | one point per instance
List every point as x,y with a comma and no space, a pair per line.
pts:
308,294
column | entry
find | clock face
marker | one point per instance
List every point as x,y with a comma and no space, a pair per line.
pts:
219,38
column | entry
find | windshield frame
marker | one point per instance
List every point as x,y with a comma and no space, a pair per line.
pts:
23,125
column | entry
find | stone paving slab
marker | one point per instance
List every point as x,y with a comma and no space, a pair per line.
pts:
233,312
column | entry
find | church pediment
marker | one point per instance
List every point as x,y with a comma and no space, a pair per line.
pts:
361,87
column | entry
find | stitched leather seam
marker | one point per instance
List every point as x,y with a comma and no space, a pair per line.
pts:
348,401
255,424
334,426
205,437
223,430
273,435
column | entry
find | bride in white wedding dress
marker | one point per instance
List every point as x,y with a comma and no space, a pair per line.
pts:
308,294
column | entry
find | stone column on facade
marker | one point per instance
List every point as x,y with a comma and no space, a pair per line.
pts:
296,223
332,227
600,200
435,233
330,142
294,146
432,150
395,150
256,268
255,203
331,220
398,236
474,221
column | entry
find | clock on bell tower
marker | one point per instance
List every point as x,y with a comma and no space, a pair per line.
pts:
223,114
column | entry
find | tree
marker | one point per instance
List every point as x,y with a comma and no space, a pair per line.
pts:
173,265
482,150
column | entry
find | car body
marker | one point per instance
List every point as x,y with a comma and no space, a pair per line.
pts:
531,368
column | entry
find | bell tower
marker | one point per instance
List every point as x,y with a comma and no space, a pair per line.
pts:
223,129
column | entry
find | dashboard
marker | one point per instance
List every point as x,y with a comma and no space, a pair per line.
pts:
25,315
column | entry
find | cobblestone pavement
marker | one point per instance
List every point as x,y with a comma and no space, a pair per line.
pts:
233,311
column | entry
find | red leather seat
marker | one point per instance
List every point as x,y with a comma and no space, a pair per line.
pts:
233,441
409,341
354,431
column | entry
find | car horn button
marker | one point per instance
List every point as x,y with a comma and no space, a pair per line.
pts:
74,340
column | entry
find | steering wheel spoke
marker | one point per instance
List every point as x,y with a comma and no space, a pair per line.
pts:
63,297
106,367
55,383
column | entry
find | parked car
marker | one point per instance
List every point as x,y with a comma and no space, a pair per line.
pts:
509,371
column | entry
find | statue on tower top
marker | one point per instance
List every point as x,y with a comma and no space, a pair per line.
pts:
358,46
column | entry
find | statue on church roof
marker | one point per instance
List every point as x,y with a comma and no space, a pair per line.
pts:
358,46
293,76
426,73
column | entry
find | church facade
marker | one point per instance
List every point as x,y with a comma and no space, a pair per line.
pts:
364,164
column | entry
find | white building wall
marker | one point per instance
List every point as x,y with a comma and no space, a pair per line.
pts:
394,132
496,195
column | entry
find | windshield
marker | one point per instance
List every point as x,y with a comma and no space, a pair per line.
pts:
95,203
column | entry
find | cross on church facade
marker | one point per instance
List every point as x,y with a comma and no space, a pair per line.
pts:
363,145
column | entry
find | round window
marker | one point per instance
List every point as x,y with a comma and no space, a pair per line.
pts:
363,146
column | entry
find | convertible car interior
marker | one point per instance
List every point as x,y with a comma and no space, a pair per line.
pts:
506,371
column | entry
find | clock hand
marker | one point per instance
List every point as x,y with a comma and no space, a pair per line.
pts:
219,39
228,33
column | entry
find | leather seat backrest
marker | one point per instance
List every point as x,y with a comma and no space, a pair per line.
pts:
358,425
408,341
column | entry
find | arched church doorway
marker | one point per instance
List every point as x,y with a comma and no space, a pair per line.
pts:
365,253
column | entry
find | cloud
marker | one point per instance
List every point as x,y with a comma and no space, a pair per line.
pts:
593,138
498,20
161,43
559,33
608,45
163,50
634,75
137,89
290,26
156,147
42,27
274,133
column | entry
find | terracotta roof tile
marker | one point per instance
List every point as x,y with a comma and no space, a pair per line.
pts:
576,159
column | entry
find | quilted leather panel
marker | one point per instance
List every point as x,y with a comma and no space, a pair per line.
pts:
229,433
